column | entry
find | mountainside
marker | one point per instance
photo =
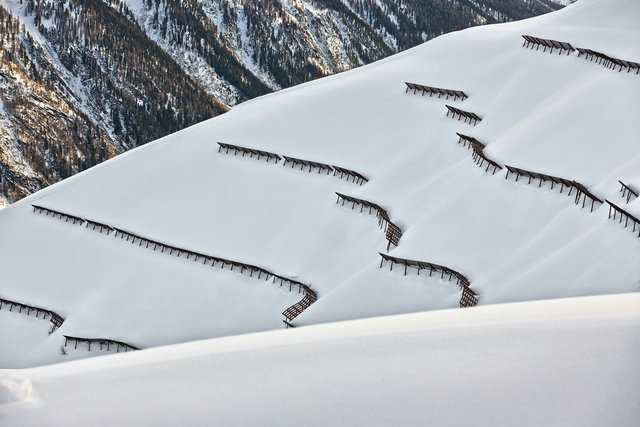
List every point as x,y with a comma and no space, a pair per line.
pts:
504,187
116,74
80,83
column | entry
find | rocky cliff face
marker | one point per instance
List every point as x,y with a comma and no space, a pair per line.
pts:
83,80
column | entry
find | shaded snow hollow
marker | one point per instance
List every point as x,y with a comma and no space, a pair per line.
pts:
556,114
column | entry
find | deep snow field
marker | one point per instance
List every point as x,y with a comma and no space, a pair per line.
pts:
556,114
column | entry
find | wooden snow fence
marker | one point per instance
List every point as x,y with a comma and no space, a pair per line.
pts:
608,61
478,152
393,233
344,173
259,154
455,94
101,342
621,215
294,162
292,312
55,319
308,298
537,42
320,167
57,214
459,114
98,226
349,174
627,191
468,297
309,295
581,191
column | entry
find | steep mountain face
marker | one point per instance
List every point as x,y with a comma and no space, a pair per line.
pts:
83,80
80,83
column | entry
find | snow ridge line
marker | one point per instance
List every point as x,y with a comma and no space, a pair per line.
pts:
468,298
601,58
55,319
436,90
393,233
356,177
624,215
309,295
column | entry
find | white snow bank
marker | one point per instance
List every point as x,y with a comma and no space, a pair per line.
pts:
14,389
569,362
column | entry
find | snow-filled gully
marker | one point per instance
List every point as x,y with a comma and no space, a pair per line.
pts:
309,295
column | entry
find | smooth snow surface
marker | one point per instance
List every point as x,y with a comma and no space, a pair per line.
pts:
556,114
566,362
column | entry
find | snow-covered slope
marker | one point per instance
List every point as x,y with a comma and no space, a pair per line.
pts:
564,362
556,114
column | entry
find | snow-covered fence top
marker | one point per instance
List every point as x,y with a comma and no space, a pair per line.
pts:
435,91
54,318
531,41
393,233
581,190
461,114
468,297
102,342
250,151
608,61
478,152
627,191
618,213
